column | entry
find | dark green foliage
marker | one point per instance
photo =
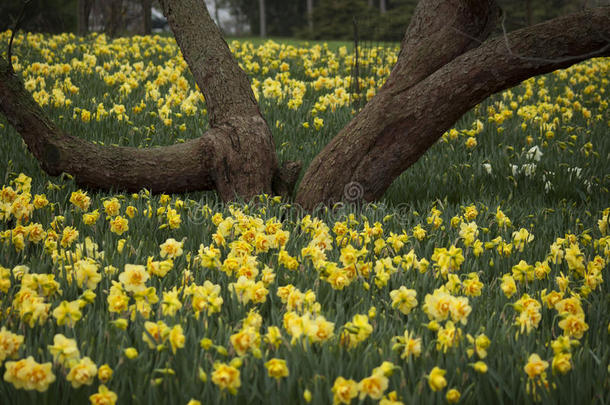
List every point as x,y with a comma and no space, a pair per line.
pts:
283,17
334,18
392,24
40,15
521,13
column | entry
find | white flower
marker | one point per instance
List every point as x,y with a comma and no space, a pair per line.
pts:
529,169
534,153
588,184
487,167
515,170
547,183
575,171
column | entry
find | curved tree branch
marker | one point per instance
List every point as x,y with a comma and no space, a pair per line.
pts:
439,32
105,167
400,123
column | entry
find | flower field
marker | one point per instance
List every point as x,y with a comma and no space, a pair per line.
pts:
480,278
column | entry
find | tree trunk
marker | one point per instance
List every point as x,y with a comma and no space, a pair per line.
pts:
82,16
444,69
310,16
263,20
146,17
113,16
382,6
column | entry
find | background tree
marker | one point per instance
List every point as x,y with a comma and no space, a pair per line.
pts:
310,17
113,11
262,19
82,16
522,13
40,15
146,16
217,5
445,67
390,25
334,18
285,18
282,18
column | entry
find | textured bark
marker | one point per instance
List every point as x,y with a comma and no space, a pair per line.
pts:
439,32
408,115
244,160
225,86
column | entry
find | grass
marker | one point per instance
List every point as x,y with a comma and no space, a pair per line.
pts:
561,200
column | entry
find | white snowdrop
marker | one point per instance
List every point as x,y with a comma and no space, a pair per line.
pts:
534,153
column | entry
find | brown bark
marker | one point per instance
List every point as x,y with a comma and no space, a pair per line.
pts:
407,116
437,34
225,86
82,16
146,17
113,16
245,162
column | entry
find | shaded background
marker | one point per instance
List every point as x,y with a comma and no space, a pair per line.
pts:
382,20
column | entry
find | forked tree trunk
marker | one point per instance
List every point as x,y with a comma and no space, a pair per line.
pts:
444,69
435,81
